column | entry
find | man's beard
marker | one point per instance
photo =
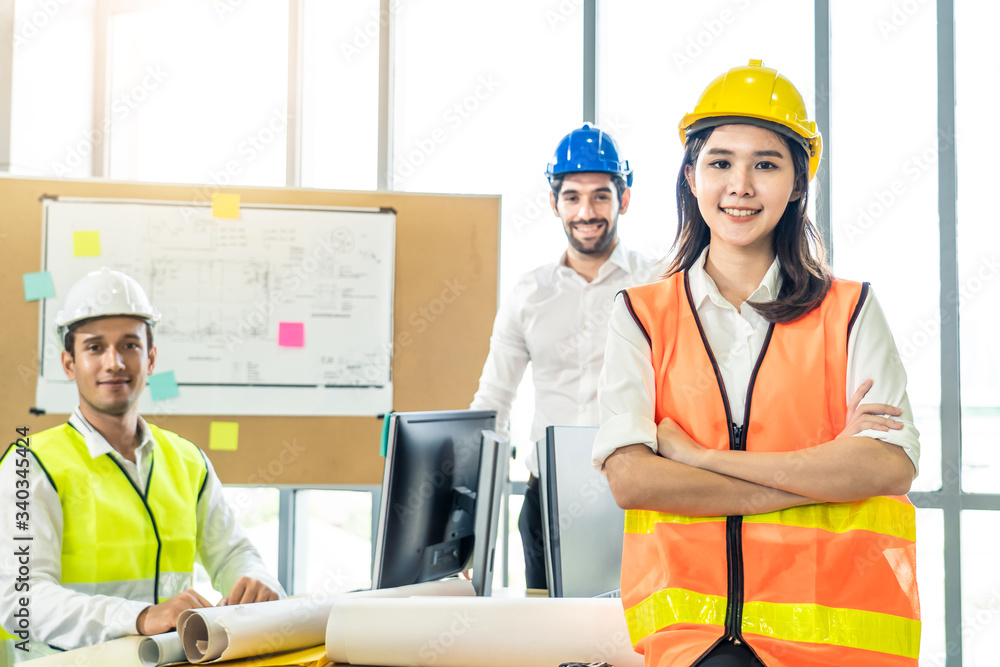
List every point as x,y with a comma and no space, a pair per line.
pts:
593,246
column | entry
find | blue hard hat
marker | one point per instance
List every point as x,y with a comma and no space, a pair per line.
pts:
588,149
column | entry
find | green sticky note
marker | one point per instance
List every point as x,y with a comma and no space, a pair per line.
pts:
86,244
163,386
38,286
224,436
384,446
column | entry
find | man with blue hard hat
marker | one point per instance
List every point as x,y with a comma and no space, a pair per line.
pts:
120,509
557,315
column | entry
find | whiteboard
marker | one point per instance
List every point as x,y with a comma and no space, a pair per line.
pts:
223,288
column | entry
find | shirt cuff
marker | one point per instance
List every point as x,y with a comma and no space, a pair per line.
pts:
893,438
123,620
621,431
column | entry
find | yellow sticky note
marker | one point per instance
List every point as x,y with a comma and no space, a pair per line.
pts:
224,436
225,205
86,244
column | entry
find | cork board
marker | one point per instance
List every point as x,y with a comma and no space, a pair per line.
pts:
445,298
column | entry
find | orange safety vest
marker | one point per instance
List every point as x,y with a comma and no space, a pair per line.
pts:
823,584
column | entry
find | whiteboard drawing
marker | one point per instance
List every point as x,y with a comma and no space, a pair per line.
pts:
225,286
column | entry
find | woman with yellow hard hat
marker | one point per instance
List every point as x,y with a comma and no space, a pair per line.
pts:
766,519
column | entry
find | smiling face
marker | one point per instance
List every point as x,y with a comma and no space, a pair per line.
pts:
110,364
743,179
588,206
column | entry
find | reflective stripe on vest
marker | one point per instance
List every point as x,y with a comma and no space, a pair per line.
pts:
852,628
883,514
818,584
117,541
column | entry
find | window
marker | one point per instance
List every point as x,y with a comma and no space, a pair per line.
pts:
978,253
980,593
334,540
885,192
209,108
53,89
340,94
487,121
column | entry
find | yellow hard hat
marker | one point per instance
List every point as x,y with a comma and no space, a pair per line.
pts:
759,93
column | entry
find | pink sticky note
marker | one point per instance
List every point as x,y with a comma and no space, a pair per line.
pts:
291,334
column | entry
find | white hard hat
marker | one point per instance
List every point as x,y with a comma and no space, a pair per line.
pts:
104,293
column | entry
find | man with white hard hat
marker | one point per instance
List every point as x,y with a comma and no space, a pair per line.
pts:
120,509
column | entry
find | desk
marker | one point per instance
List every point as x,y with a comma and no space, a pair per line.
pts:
437,631
124,652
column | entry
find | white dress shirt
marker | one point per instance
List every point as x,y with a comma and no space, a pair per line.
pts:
69,619
627,388
558,321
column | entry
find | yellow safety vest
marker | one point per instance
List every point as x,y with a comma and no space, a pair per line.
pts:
117,540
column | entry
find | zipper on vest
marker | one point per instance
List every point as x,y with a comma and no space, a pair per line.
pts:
152,521
734,544
737,441
734,556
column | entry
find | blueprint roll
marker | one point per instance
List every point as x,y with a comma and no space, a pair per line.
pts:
165,649
239,631
479,632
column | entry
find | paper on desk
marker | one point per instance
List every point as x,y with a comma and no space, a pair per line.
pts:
165,649
479,632
307,657
239,631
122,652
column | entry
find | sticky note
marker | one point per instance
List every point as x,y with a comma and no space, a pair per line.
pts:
225,205
224,436
163,386
384,444
38,286
86,244
291,334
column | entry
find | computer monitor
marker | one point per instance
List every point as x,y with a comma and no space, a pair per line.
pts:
582,523
444,477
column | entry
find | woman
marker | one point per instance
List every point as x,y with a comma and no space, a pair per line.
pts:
766,521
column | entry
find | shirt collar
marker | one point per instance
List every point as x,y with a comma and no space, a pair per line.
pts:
98,446
618,259
703,287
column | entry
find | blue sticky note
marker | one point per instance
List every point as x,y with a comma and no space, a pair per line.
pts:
163,386
38,286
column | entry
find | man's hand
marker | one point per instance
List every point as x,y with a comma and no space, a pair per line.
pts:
673,443
868,416
247,591
162,617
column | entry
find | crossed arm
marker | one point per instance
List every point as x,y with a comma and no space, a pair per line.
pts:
683,477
